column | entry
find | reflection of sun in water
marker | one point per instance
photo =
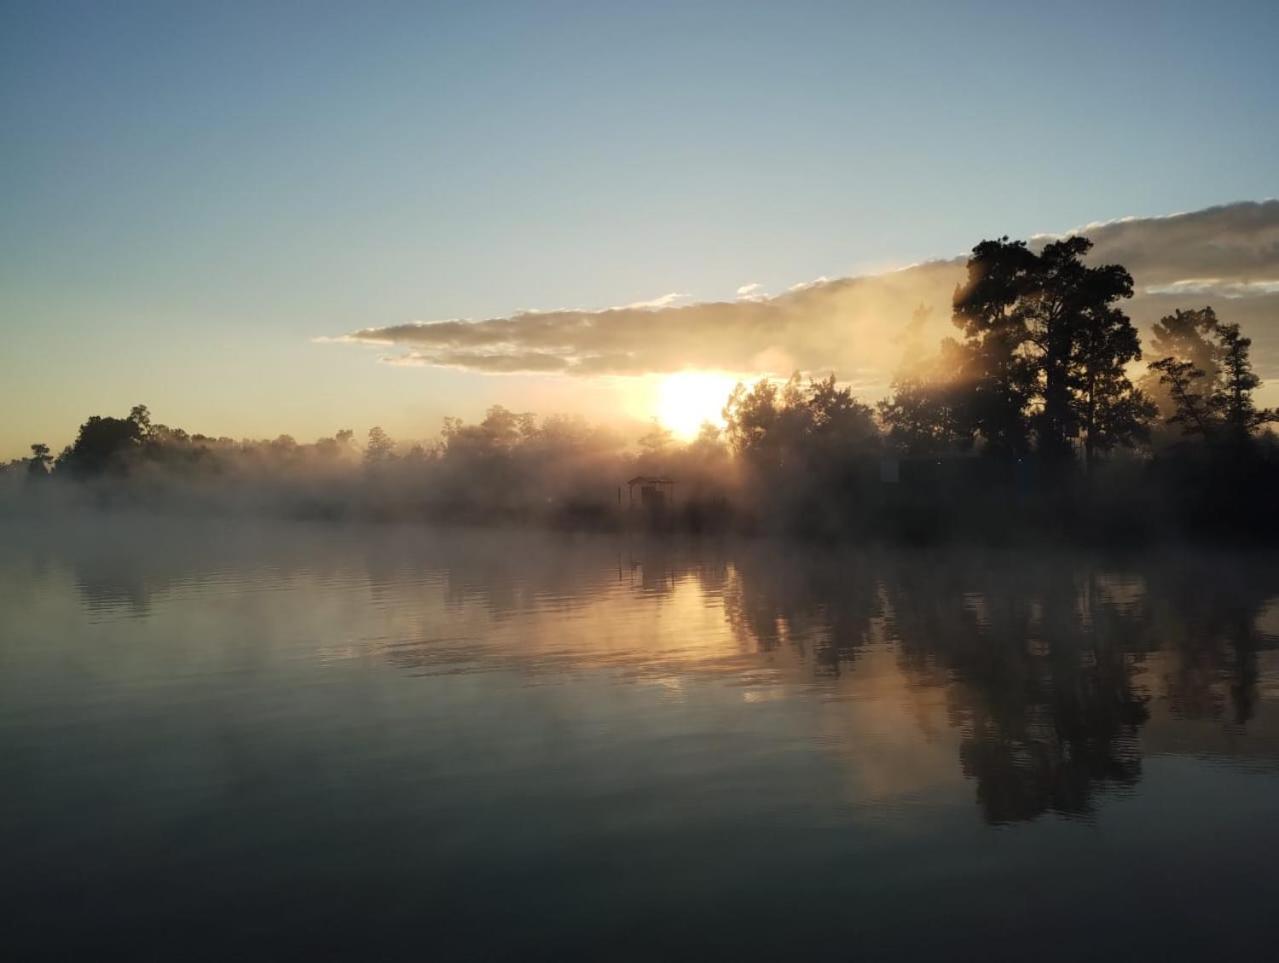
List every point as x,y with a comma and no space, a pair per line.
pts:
688,398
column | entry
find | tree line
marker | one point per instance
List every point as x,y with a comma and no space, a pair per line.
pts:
1036,412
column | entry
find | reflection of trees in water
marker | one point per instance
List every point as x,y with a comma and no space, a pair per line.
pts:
512,573
105,587
1037,674
1041,659
824,605
128,561
1204,610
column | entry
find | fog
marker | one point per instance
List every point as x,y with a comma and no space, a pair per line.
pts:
1040,417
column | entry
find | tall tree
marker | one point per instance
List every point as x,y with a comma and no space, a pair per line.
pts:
989,309
1216,404
1109,409
1046,349
1240,415
103,445
1192,407
39,462
140,415
379,449
1186,336
1082,340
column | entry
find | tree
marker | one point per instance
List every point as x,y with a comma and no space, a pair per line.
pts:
1110,410
1046,349
1217,405
102,446
1191,407
836,421
379,448
750,419
1239,413
922,416
989,310
798,424
140,415
337,447
498,433
1183,335
657,440
39,463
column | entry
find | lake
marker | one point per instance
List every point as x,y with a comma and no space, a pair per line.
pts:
260,741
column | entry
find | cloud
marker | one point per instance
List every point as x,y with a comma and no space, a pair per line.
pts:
1233,242
529,362
842,325
816,282
1216,287
853,326
665,301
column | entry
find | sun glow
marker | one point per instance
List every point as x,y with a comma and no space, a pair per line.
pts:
688,398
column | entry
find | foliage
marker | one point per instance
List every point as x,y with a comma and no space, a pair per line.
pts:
795,425
1212,400
1182,335
379,448
1045,352
1040,374
925,413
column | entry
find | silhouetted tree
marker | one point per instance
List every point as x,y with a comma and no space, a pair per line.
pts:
1182,335
140,415
1215,403
1069,307
40,462
789,427
1239,413
1188,391
103,445
333,449
751,419
379,448
836,421
998,379
1046,349
1109,409
923,415
803,449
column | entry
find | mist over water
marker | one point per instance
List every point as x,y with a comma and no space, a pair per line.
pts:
232,738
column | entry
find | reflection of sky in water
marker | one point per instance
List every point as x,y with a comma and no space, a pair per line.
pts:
609,727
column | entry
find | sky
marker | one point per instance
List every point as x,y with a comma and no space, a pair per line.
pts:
198,203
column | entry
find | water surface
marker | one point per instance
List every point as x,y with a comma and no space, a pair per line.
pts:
267,741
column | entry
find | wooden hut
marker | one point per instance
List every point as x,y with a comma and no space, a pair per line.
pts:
656,493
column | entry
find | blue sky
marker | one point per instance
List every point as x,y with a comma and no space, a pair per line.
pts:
192,193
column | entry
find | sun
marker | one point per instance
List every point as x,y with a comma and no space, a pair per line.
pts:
686,399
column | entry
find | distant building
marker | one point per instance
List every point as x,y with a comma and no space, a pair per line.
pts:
656,493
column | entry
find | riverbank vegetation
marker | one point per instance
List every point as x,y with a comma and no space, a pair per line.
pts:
1040,419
